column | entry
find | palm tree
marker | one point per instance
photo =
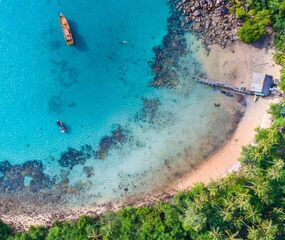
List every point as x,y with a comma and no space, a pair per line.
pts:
216,234
251,171
107,229
255,154
201,200
260,187
229,202
279,214
194,219
213,189
253,233
268,230
93,235
232,236
276,170
228,210
253,214
227,214
242,200
268,140
238,222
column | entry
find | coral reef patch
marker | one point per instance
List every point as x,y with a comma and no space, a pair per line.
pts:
28,176
72,157
166,55
118,136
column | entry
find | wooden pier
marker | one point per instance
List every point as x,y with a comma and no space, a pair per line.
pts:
222,85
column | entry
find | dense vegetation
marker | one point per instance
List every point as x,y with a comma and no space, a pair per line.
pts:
245,205
257,16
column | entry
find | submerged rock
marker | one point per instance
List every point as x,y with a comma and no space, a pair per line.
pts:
14,177
89,171
118,136
150,107
73,157
165,61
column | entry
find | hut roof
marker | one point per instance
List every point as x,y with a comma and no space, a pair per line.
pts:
261,83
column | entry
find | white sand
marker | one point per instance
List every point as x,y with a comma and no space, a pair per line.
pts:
236,64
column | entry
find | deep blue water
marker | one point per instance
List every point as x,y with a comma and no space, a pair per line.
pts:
93,87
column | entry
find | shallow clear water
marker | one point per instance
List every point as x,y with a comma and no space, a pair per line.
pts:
94,86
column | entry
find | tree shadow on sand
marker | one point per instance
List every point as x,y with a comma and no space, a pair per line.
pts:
80,43
264,43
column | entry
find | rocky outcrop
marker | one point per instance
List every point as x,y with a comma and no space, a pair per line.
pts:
173,46
211,18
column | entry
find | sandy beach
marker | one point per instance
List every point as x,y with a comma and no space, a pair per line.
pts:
233,65
226,159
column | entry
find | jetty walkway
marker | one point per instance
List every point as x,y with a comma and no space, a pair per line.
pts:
222,85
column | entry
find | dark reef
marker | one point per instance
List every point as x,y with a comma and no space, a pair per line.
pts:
89,171
66,75
173,46
73,157
118,136
150,107
12,177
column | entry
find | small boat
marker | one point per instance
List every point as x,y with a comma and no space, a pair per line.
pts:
61,126
217,104
229,94
66,30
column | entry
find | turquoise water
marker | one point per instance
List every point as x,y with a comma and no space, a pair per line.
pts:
94,87
90,86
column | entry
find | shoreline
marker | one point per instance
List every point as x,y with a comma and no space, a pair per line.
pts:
214,167
235,66
226,159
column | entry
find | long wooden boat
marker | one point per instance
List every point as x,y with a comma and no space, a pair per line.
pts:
66,30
